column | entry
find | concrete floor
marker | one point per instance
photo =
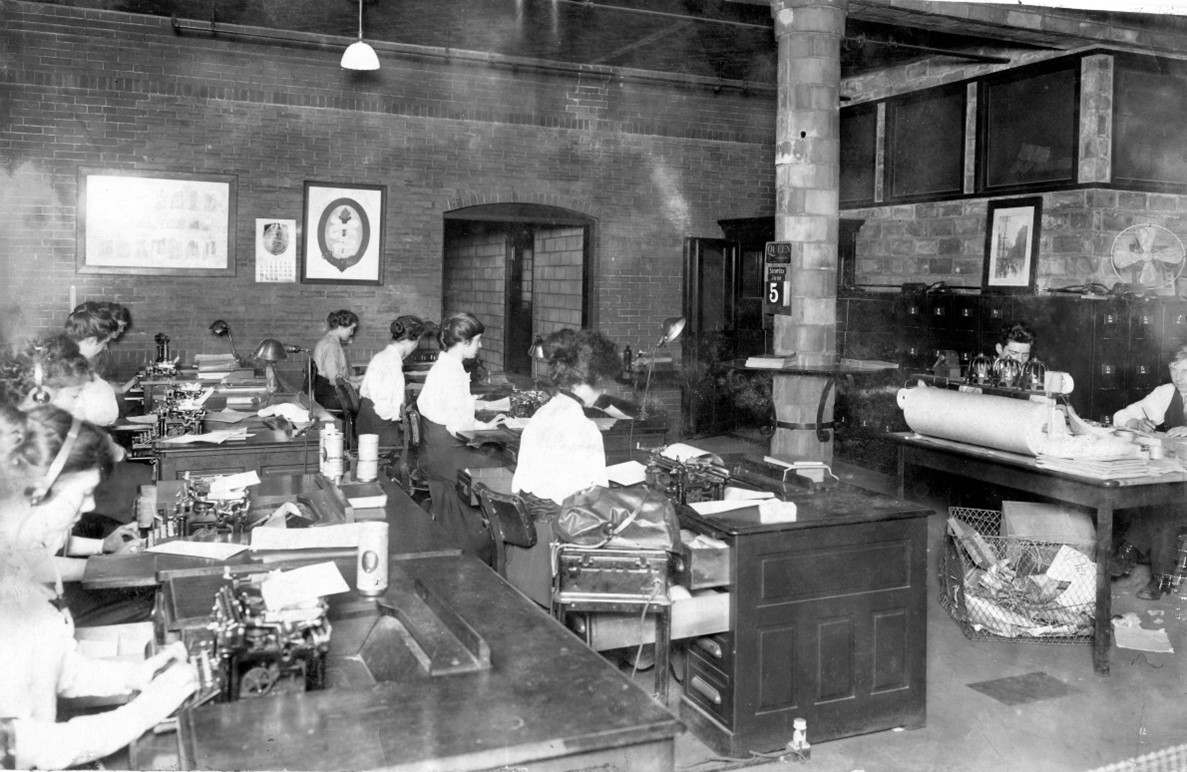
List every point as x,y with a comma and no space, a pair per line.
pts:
1139,709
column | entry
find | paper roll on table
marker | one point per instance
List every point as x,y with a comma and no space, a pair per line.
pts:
1014,425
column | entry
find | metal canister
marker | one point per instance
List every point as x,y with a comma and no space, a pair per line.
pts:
371,578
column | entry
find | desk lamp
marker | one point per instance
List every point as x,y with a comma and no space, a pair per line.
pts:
220,328
671,329
536,352
272,351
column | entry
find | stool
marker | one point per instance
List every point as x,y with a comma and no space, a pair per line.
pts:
606,579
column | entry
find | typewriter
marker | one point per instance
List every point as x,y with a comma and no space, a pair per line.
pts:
177,415
248,651
198,515
686,474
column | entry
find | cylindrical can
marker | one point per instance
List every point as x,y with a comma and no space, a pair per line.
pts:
368,463
331,452
372,562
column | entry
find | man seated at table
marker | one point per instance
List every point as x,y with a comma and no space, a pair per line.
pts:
1153,531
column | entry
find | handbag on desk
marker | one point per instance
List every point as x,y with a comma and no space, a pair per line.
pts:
632,516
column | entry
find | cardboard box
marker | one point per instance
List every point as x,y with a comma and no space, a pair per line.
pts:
1047,522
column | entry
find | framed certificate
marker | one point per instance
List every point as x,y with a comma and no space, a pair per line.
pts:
343,234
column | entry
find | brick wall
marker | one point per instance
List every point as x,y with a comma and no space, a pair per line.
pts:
651,160
560,253
476,277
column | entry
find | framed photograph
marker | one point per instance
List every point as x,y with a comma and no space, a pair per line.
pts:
136,222
1012,245
343,234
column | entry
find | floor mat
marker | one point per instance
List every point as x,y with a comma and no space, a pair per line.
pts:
1023,689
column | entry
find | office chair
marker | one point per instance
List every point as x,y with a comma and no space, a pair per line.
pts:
407,473
509,521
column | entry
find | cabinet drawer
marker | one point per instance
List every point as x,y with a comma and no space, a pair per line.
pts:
691,617
707,689
700,566
716,651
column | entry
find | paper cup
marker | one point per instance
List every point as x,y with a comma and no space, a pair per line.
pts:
372,559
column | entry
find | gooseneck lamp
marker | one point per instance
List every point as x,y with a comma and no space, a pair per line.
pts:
670,331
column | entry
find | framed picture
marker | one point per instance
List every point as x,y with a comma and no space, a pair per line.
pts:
136,222
1012,245
343,234
276,250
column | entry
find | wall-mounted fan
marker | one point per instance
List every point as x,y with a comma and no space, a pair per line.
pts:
1147,254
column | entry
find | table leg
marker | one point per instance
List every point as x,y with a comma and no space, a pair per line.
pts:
663,643
1102,640
902,472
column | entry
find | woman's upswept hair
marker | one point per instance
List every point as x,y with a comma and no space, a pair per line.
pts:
62,365
342,318
408,327
98,319
462,327
30,441
580,356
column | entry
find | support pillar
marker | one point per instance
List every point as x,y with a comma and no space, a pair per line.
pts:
807,212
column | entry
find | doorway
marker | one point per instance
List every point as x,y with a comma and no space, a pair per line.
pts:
523,270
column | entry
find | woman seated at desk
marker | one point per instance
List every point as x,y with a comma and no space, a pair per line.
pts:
329,357
50,464
561,450
382,391
447,408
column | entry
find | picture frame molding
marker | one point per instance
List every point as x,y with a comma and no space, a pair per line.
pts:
325,197
90,235
993,234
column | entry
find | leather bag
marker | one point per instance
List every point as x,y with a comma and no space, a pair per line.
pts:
632,516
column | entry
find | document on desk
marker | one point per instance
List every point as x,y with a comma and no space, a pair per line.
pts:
627,473
748,510
227,417
302,585
211,550
495,406
230,486
518,424
217,437
141,419
327,537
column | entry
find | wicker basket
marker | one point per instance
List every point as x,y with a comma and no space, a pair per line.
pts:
1015,599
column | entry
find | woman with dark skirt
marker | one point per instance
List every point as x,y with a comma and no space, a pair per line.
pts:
329,357
447,408
382,392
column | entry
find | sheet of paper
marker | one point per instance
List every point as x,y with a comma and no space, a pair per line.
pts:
678,451
516,423
327,537
498,405
217,437
302,585
212,550
1070,564
227,417
604,424
717,507
142,419
230,486
745,494
627,473
1141,639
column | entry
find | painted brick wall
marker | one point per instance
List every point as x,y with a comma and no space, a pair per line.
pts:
651,161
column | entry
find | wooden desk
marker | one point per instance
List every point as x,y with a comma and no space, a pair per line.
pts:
828,623
546,703
1011,470
265,451
412,533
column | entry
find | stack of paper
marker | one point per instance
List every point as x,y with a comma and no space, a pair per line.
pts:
217,437
214,367
771,363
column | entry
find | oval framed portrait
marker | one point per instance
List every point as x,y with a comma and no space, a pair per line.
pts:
343,234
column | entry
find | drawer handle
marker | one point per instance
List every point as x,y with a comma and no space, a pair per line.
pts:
705,689
710,647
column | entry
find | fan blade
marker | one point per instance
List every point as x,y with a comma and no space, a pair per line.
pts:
1149,276
1126,259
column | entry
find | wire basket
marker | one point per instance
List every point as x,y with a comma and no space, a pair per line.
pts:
1010,589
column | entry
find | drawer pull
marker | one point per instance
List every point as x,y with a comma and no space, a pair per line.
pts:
705,689
709,646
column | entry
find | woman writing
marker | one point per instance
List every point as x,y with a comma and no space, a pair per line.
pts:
447,408
382,391
50,464
561,451
329,357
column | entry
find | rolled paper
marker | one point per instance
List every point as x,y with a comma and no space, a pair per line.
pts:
1013,425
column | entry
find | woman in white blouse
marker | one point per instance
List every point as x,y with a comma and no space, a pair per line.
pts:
446,408
382,391
561,451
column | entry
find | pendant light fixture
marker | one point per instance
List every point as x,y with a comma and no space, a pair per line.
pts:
359,55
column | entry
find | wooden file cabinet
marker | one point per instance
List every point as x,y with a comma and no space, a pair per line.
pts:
265,453
827,623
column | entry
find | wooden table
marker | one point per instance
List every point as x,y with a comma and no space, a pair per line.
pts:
828,622
1011,470
546,703
411,533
